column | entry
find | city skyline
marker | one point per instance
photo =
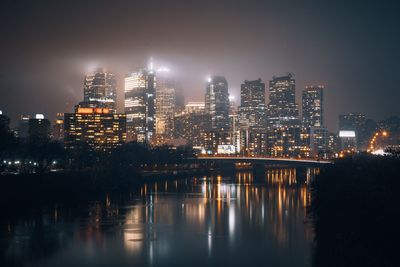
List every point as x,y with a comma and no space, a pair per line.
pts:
199,133
337,46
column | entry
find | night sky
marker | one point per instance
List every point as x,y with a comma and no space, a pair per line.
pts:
351,48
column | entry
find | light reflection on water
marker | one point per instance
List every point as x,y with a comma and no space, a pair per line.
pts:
199,221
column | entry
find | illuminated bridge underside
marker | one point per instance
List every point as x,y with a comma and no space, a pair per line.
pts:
266,161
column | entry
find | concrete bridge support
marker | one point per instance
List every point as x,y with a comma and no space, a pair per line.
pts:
227,167
259,171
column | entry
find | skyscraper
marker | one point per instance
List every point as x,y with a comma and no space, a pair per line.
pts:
252,104
165,107
39,129
282,107
356,122
313,119
23,127
100,88
140,90
313,106
95,121
58,127
351,121
217,102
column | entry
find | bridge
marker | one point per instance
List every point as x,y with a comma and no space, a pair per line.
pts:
259,160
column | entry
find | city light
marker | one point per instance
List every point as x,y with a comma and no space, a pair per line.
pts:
347,134
199,133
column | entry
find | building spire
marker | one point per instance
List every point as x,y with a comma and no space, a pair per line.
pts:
150,66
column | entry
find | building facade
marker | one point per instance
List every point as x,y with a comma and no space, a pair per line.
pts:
217,102
282,108
100,86
313,106
140,93
58,128
252,104
165,109
313,120
99,128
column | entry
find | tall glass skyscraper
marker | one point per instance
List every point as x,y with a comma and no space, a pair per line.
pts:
140,90
313,119
217,102
313,106
165,106
282,107
252,103
100,88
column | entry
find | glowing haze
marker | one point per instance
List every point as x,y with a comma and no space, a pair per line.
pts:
351,48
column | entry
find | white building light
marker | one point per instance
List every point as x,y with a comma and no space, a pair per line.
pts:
347,134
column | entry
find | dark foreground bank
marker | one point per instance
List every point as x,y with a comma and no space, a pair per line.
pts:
356,211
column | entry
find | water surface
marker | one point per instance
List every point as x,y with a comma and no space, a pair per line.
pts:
214,220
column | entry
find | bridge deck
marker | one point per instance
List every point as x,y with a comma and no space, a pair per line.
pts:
264,159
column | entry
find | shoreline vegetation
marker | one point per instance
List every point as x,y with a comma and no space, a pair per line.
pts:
355,207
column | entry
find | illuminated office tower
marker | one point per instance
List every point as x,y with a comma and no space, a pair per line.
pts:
217,102
99,128
313,106
282,107
100,88
191,123
140,90
195,107
232,106
252,103
313,120
165,107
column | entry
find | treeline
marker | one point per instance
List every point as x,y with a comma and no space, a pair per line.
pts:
40,155
356,212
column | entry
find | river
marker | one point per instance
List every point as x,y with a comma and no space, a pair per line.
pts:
236,219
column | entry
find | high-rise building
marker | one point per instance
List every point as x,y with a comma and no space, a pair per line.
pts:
4,121
313,120
165,108
39,129
179,97
351,121
356,122
282,107
232,105
217,102
23,127
100,87
58,127
101,129
313,106
191,123
140,90
252,104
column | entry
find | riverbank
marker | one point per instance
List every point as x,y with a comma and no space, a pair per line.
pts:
356,212
76,186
